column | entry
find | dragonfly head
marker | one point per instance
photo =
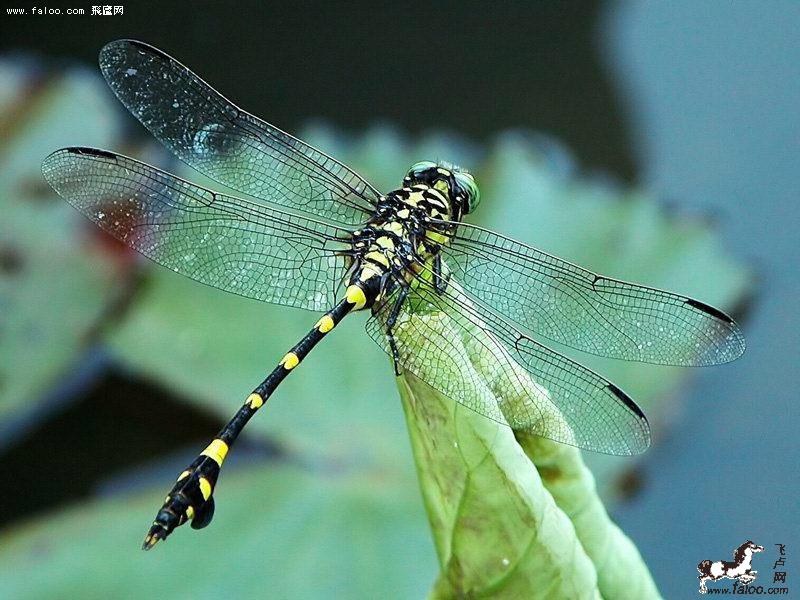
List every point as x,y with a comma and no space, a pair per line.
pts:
457,184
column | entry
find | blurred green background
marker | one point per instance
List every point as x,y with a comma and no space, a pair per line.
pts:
579,120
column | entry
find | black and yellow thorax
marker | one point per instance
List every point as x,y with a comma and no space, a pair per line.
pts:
407,231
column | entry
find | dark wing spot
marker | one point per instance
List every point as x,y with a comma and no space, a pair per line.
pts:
93,152
710,310
627,400
142,46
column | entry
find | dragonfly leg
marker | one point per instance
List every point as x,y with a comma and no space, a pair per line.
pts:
390,323
440,280
191,499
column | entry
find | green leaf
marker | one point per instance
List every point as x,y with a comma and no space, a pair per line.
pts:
497,531
53,286
621,572
500,530
279,531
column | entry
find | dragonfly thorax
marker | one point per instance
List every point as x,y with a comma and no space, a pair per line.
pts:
408,229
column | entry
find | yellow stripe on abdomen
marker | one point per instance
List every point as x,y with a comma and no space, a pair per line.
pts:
325,324
355,296
290,361
216,450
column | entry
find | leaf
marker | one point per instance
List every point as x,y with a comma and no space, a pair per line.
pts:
497,531
621,572
499,528
354,532
53,287
279,531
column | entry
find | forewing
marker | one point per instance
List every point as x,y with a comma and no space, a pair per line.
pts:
237,246
580,309
219,139
487,365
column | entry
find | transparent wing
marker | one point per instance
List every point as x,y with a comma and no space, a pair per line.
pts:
237,246
237,149
580,309
487,365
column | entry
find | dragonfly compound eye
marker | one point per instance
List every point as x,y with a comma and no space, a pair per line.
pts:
469,189
418,171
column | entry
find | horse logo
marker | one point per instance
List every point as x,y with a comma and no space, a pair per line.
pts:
741,568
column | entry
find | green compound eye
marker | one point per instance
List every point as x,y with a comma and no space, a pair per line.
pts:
467,183
418,168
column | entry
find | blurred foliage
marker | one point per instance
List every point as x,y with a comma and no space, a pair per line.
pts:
52,287
343,517
282,532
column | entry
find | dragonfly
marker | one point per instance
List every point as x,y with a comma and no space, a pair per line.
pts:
313,234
